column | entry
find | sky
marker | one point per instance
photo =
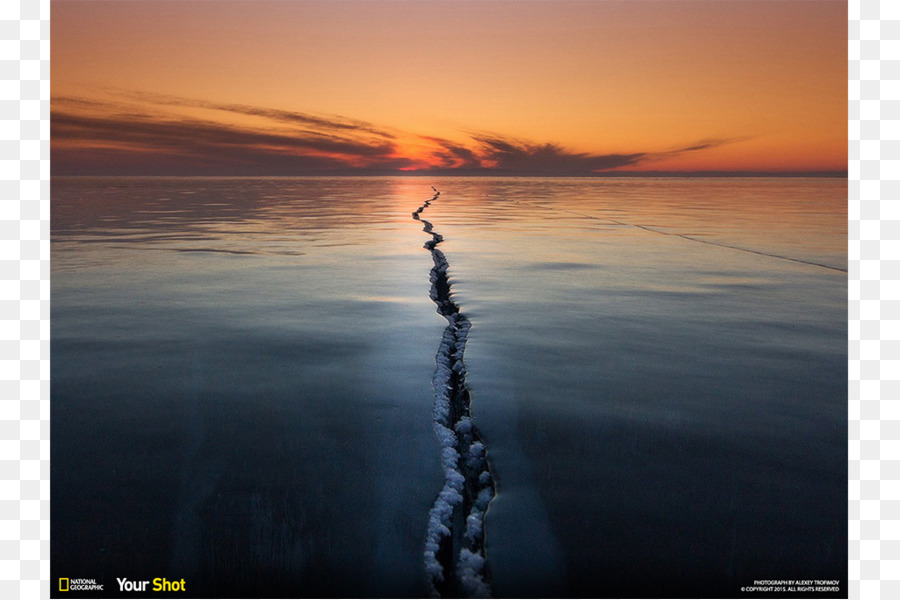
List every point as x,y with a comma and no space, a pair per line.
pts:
222,87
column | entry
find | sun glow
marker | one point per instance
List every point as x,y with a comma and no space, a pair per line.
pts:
538,87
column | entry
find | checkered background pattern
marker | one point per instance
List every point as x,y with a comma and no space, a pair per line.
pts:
24,298
874,298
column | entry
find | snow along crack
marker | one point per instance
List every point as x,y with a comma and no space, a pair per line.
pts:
455,559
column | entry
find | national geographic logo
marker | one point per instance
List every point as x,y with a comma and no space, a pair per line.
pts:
79,585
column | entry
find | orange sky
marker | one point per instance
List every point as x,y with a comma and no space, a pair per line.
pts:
548,87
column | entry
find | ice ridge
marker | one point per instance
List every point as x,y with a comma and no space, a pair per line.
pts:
455,558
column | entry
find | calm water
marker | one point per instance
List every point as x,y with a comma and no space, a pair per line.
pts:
241,382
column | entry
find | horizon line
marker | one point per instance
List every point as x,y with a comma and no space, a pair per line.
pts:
830,174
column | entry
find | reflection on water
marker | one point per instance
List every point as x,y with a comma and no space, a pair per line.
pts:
673,411
241,381
241,385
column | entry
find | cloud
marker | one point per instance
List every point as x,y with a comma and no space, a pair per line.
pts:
491,153
317,122
509,155
184,134
454,155
144,133
93,136
703,145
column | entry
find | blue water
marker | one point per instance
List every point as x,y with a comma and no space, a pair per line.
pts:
242,382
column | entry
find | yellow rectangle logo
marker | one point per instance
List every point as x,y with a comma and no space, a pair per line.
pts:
64,584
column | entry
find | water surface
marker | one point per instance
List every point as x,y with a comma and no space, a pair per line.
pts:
241,381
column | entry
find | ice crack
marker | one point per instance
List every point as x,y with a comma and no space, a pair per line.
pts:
455,559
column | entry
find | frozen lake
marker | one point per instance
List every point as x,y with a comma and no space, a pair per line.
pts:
242,382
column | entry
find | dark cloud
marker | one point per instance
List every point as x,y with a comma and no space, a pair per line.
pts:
138,132
125,141
323,123
183,133
513,156
140,161
494,153
454,155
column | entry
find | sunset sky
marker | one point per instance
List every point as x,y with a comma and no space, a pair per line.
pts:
568,88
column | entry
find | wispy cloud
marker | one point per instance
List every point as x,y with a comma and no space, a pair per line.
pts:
140,132
185,134
124,137
508,155
704,145
453,155
318,123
